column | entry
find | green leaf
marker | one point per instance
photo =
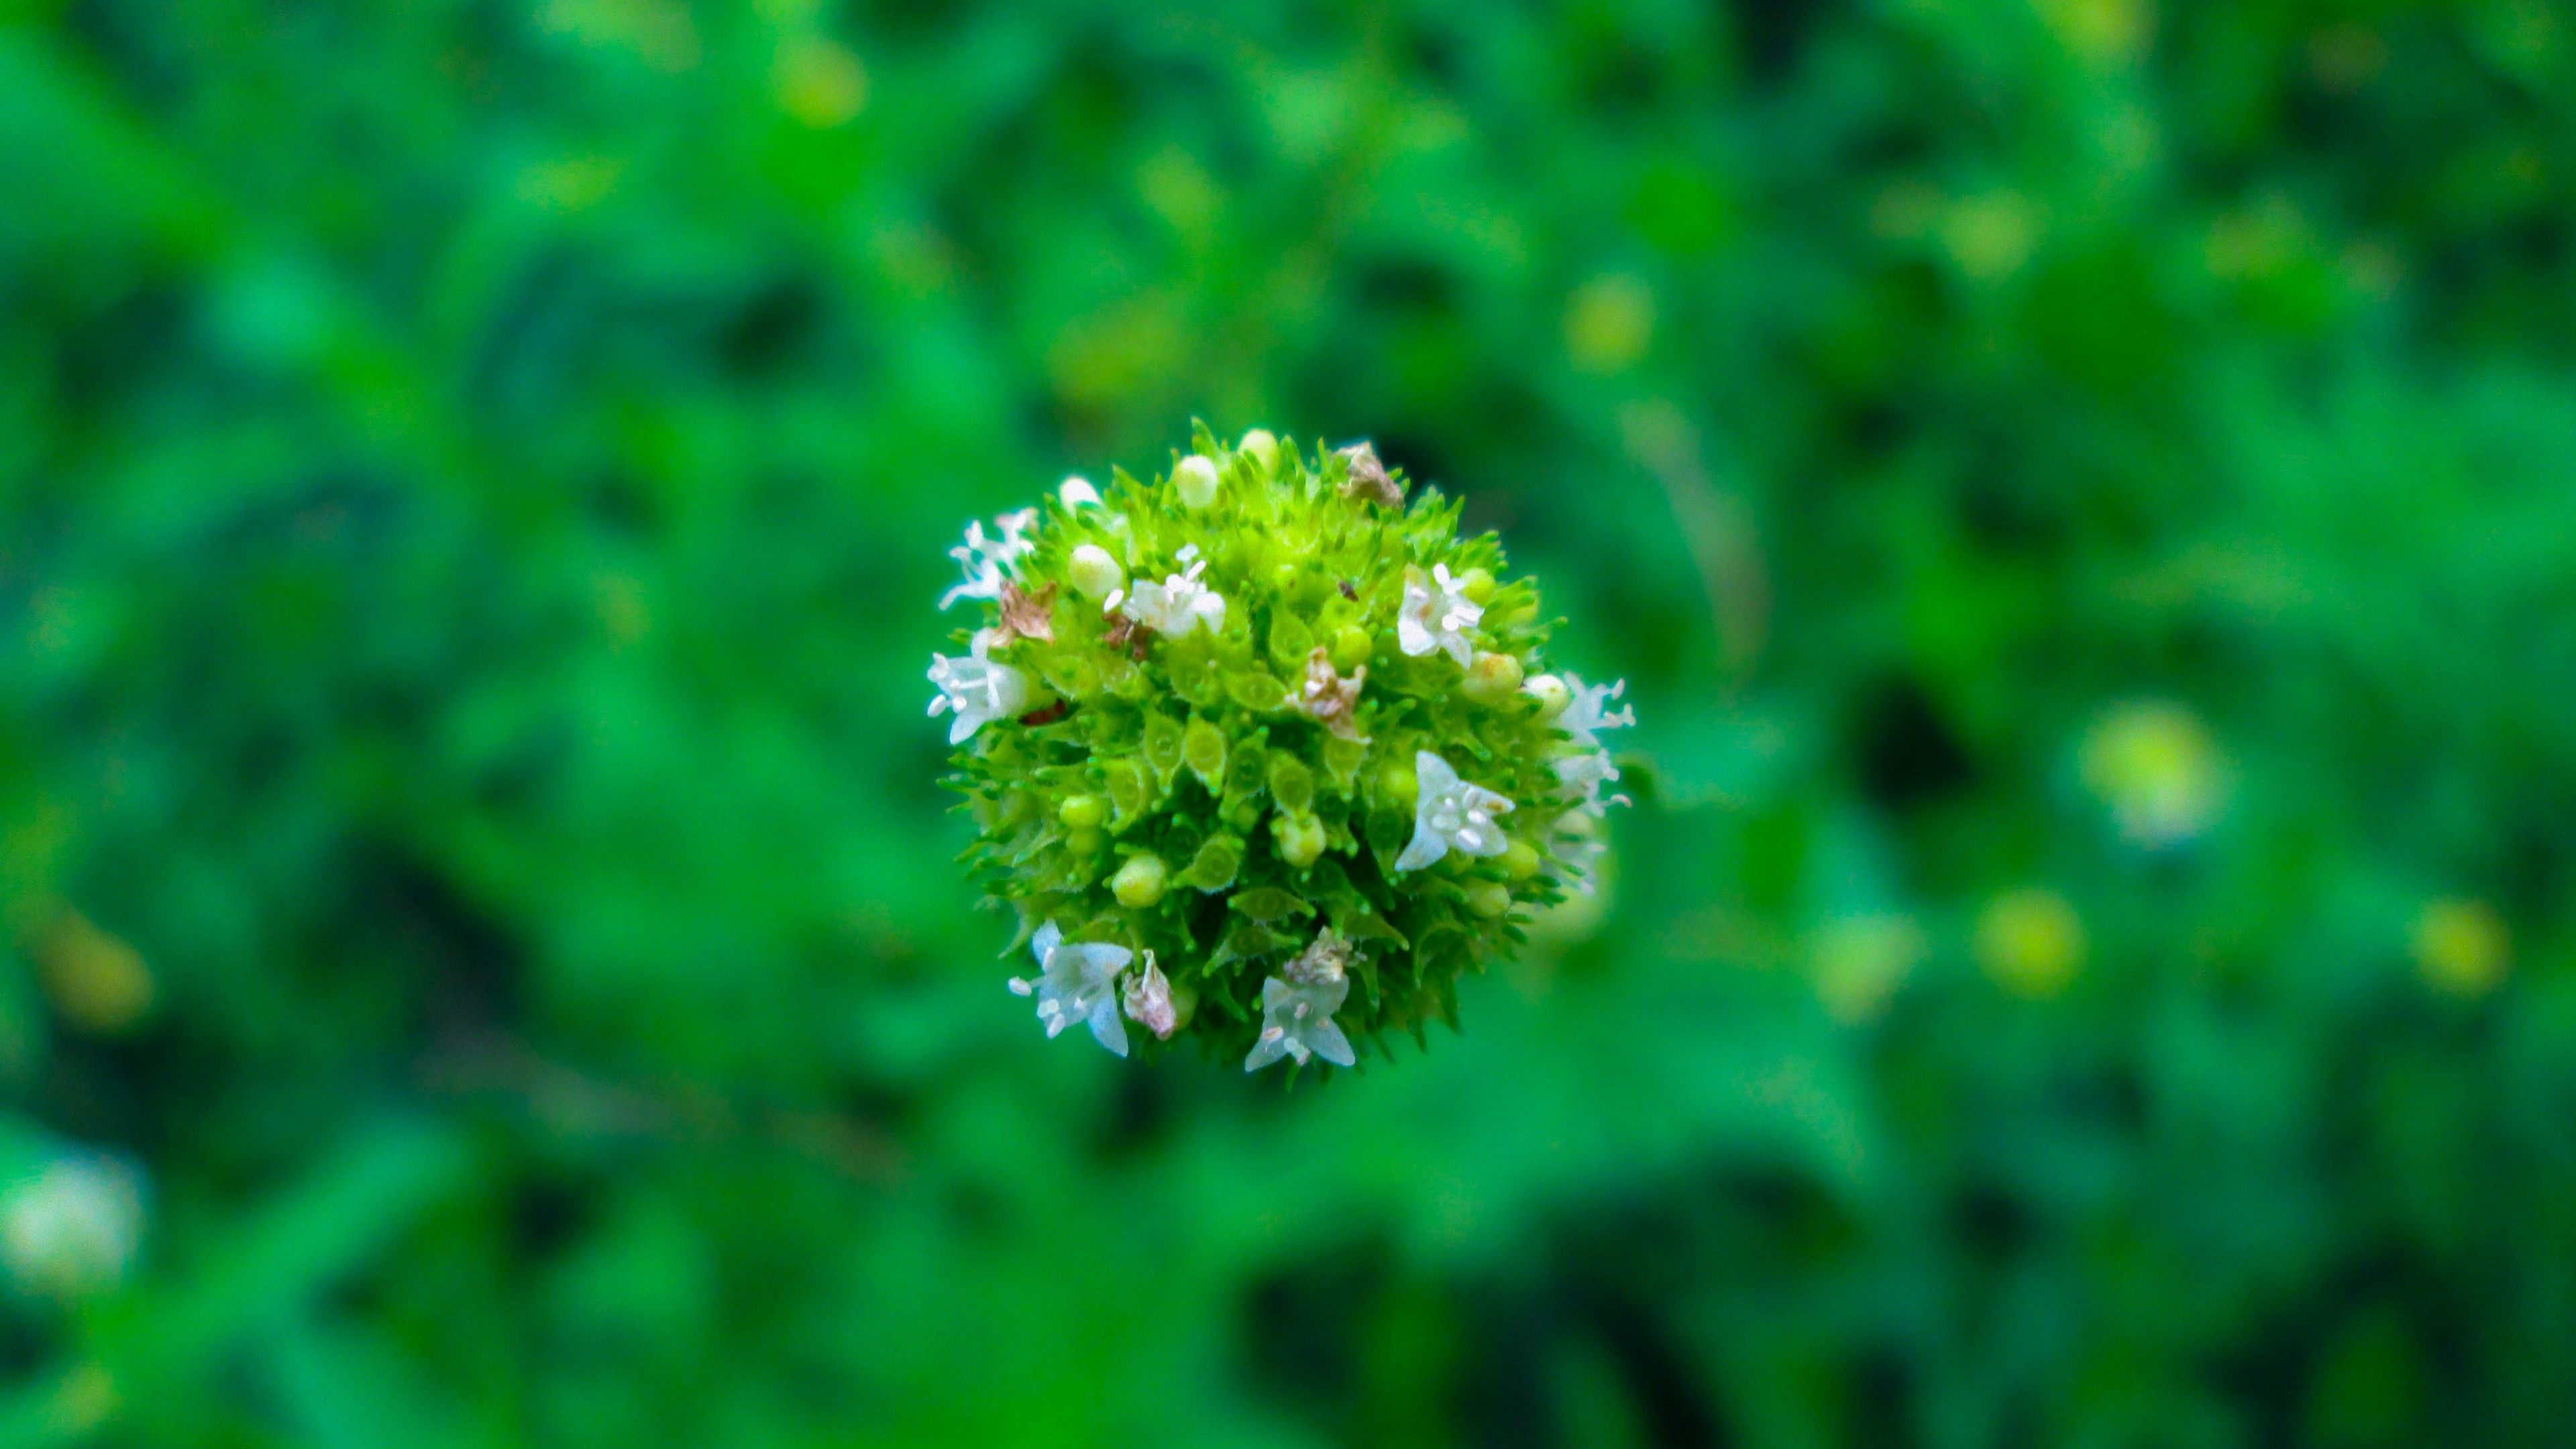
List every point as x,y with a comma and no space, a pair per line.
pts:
1292,785
1203,749
1269,903
1214,867
1163,747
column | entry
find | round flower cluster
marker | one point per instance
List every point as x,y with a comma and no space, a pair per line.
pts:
1262,755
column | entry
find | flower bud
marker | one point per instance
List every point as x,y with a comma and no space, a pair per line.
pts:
1492,678
1301,838
1351,647
1082,812
1140,882
1095,573
1076,492
1263,448
1490,899
1398,785
1478,585
1522,860
1551,694
1195,480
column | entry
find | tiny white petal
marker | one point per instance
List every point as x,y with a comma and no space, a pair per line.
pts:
1107,1029
1331,1044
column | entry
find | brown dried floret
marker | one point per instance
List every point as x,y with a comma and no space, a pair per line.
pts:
1126,633
1027,615
1369,479
1330,698
1327,960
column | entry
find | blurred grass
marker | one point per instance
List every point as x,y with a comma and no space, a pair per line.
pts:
2081,488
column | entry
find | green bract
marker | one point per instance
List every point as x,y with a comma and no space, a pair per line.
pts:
1262,755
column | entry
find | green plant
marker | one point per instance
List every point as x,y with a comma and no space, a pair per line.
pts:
1257,733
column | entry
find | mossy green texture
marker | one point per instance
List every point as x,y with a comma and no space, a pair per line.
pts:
1177,793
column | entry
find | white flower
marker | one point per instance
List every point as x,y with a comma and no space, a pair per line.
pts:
72,1228
1587,714
1580,778
1581,775
988,561
978,688
1436,615
1179,603
1076,492
1578,848
1450,814
1148,1000
1077,982
1194,478
1297,1007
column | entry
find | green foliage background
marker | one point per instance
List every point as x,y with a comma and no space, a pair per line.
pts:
473,479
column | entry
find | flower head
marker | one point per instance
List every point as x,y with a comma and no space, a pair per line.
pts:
1436,615
1450,814
2461,946
988,562
1191,797
1297,1007
2157,768
72,1228
2031,942
1180,603
980,689
1077,982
